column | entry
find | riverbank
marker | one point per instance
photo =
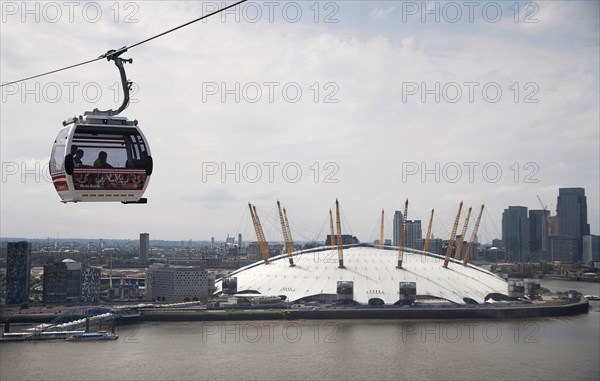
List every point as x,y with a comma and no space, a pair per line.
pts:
430,313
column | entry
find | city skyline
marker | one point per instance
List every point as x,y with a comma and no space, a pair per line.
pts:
392,229
378,119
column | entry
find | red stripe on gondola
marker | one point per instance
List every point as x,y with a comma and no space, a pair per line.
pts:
60,182
59,176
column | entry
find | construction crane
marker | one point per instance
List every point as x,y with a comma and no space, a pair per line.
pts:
402,237
332,241
426,245
381,232
289,246
452,236
473,235
339,235
260,235
547,229
460,243
541,203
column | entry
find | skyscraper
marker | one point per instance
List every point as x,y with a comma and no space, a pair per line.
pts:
144,247
398,219
562,249
538,232
413,234
515,233
571,211
18,269
587,249
435,245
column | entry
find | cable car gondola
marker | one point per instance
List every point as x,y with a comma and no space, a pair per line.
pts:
101,156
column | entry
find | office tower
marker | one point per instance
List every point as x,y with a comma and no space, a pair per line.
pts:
562,249
515,233
413,234
539,231
398,219
90,285
71,282
144,247
435,245
18,269
587,249
571,212
347,239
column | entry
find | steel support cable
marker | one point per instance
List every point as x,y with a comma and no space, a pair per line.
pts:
126,48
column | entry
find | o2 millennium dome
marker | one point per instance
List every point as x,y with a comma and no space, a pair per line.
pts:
373,275
361,274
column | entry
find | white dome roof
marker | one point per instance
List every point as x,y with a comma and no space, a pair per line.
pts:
373,272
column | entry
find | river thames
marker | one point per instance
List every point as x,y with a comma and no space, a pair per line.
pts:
531,349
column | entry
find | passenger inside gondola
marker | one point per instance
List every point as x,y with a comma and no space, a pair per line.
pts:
73,154
140,163
101,161
143,161
77,163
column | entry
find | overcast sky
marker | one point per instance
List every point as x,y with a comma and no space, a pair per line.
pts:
370,102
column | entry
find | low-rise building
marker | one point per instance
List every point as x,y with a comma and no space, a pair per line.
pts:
168,283
71,282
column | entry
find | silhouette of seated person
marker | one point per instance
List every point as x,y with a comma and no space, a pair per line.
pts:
140,163
101,161
77,163
72,155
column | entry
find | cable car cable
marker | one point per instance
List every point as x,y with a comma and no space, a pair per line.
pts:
51,72
125,48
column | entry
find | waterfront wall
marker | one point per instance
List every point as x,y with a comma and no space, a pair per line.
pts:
425,313
475,312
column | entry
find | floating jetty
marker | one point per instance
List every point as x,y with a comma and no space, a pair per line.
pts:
30,336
